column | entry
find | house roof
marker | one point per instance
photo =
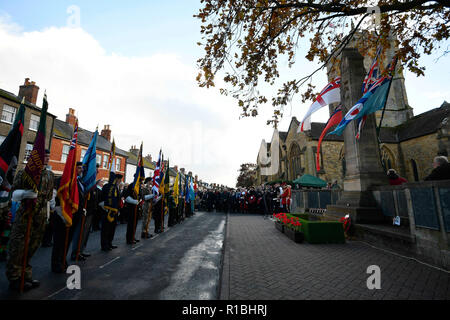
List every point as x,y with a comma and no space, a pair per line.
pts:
64,131
12,97
132,159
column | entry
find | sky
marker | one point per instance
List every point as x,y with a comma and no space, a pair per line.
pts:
132,65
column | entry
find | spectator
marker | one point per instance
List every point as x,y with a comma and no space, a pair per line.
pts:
394,178
441,169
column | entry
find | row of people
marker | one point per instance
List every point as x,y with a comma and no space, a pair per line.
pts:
264,199
99,207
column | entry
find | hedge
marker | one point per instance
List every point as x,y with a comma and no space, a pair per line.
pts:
320,231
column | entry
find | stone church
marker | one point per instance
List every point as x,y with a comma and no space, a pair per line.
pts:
407,143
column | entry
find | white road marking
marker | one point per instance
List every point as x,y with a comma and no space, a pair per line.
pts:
54,294
137,247
101,267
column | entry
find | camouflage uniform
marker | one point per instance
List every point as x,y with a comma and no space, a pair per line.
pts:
17,238
146,210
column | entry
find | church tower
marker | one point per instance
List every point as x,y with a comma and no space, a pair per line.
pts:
397,109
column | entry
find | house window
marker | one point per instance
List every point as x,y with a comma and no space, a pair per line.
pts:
83,153
99,159
65,152
28,149
105,161
34,122
8,114
2,138
118,164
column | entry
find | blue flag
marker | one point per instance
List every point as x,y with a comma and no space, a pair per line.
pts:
187,197
90,164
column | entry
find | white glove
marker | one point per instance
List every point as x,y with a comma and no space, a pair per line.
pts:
30,194
131,200
84,212
102,204
20,194
149,197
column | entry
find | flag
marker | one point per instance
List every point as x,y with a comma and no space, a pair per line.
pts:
335,118
176,188
112,154
370,79
35,163
156,175
167,179
68,187
371,102
186,194
10,148
330,94
139,175
90,164
161,176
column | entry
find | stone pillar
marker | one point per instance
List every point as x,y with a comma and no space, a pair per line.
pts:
363,166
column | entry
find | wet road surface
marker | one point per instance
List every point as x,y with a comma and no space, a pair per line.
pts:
182,263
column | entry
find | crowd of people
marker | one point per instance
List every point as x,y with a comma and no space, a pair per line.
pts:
261,199
105,206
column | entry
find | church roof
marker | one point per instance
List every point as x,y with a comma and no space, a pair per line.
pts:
283,135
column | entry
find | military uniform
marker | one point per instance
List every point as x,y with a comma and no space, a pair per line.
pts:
19,228
146,211
110,203
172,210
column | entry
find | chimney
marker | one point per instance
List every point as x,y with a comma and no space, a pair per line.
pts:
149,158
106,132
29,90
134,150
70,117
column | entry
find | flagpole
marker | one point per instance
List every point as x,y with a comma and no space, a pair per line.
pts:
25,252
378,129
65,247
385,102
134,223
150,209
83,220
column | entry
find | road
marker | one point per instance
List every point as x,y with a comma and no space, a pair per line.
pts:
183,263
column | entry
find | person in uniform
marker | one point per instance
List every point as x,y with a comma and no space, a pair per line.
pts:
132,202
156,210
92,202
146,208
77,219
5,210
39,202
172,209
61,232
110,203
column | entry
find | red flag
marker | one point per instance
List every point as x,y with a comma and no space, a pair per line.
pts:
335,118
68,188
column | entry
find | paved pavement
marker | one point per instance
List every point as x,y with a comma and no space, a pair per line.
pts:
262,263
181,263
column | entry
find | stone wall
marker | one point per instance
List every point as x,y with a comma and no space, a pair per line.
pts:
422,150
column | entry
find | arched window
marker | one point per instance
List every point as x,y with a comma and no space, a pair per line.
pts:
414,170
387,158
295,164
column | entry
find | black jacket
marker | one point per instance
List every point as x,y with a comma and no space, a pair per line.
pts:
440,173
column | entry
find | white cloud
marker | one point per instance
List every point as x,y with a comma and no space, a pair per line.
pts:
152,99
